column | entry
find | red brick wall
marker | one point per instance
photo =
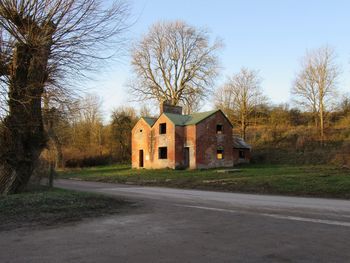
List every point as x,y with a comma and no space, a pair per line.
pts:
179,146
149,140
208,142
140,141
164,140
190,142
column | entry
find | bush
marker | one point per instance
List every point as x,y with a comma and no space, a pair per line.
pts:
342,158
88,161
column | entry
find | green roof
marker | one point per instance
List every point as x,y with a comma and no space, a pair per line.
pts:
150,121
198,117
177,119
192,119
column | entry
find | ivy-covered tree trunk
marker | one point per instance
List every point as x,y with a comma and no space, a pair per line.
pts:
23,138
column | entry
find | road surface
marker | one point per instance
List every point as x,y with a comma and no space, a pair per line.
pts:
173,225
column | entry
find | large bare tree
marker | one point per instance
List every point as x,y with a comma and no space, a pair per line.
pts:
174,62
42,44
315,85
239,96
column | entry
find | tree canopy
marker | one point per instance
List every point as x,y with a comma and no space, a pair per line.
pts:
174,62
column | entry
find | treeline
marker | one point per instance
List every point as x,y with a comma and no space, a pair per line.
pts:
314,130
83,139
178,63
277,133
286,135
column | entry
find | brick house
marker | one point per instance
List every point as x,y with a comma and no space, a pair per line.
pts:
177,141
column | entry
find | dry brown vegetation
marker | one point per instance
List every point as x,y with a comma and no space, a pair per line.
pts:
278,134
288,136
84,140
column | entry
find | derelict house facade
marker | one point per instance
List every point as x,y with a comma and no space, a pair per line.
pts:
195,141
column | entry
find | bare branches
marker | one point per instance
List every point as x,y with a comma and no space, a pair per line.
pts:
79,31
174,62
239,96
315,85
43,44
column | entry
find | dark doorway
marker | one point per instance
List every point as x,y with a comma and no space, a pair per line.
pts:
141,158
241,154
186,157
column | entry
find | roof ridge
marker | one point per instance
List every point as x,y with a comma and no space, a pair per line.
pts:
204,112
189,119
149,120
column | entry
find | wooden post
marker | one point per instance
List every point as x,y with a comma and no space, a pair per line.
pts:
51,174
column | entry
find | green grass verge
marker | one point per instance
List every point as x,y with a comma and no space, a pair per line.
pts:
51,207
319,180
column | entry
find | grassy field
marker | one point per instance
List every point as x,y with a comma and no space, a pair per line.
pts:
51,207
322,181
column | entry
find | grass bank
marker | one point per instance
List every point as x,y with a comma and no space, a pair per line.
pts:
316,180
44,206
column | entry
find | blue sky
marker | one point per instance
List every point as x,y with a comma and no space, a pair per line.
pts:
267,35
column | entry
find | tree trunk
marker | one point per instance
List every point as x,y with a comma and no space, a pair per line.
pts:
23,138
59,154
316,118
51,175
322,124
243,126
58,149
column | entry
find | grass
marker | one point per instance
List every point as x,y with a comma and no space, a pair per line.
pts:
319,180
44,206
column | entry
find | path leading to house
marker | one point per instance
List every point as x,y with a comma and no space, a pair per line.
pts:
174,225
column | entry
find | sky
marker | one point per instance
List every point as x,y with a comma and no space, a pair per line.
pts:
270,36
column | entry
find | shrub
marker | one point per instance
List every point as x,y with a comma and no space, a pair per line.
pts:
88,161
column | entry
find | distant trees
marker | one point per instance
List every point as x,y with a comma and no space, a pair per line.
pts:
344,105
87,139
145,111
42,44
315,85
239,96
174,62
123,120
84,137
87,124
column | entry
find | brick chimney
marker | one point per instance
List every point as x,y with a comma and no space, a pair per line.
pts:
167,107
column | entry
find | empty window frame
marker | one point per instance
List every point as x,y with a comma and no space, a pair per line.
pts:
162,128
162,153
219,154
219,129
241,154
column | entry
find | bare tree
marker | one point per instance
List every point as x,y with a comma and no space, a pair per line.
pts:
42,44
305,90
174,62
239,96
315,85
145,111
59,106
90,109
87,124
